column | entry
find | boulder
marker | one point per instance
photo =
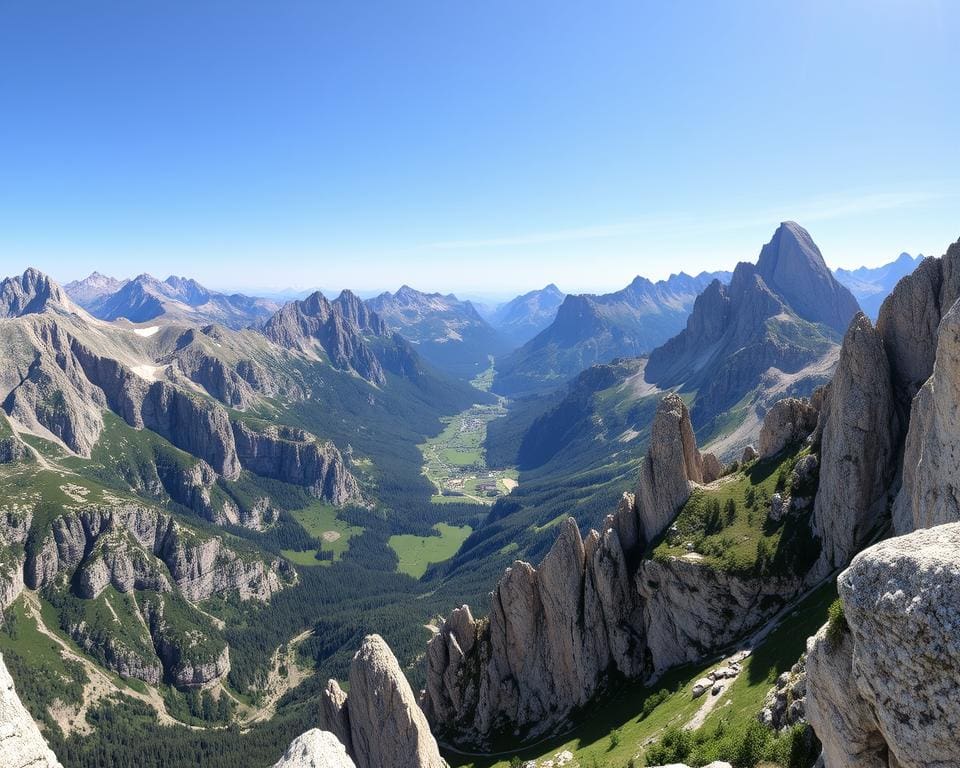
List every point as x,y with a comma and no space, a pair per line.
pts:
882,692
788,422
749,454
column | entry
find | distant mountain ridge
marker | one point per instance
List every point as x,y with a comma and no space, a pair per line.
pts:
871,285
523,317
448,332
590,329
146,298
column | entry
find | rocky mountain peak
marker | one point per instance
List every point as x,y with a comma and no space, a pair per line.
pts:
792,265
387,728
31,293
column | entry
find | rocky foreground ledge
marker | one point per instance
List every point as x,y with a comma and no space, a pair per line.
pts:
882,680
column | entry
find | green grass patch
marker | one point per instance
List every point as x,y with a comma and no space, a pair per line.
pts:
728,524
417,553
321,522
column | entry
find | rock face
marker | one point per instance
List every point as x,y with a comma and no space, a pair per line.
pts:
116,544
858,446
387,729
21,744
910,316
295,456
315,749
671,465
930,493
340,328
790,421
883,692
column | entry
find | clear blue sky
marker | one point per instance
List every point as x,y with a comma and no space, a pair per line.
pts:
470,145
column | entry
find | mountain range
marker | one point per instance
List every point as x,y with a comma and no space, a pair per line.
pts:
448,332
145,298
202,524
591,329
523,317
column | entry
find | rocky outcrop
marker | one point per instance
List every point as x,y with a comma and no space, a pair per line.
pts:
387,727
910,316
192,652
315,749
339,328
788,422
116,544
785,703
858,446
881,693
295,456
930,494
671,465
691,609
21,743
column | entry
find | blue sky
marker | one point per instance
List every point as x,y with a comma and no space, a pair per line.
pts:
470,146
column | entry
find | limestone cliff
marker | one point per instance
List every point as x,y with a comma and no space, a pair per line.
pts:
858,441
881,691
21,743
930,493
672,463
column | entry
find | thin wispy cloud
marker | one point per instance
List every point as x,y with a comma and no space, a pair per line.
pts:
824,208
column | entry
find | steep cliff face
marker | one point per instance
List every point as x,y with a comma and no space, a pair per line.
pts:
672,464
21,743
860,433
930,493
910,316
295,456
881,693
387,729
117,545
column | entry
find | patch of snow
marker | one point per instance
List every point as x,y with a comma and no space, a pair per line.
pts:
147,372
146,332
